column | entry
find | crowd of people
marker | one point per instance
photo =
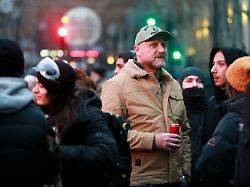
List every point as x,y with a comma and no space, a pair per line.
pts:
53,131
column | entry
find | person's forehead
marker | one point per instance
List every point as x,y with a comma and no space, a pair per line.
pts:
39,84
120,61
192,77
219,56
151,41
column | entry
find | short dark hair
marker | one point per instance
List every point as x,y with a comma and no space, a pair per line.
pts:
127,55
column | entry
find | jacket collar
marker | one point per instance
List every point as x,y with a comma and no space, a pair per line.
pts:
134,71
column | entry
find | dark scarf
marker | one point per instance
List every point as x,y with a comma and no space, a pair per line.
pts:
194,99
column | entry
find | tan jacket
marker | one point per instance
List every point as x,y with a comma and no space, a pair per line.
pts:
137,95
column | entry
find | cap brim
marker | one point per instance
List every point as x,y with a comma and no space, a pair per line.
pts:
162,34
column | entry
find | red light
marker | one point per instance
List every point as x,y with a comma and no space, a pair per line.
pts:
62,31
92,53
77,53
88,54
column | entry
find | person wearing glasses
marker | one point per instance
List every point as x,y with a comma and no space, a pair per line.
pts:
86,145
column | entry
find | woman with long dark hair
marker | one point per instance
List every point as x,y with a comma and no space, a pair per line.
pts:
87,147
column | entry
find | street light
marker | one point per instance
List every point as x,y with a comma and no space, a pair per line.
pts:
62,32
151,21
177,55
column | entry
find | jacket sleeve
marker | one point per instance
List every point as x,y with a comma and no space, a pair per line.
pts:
218,155
98,151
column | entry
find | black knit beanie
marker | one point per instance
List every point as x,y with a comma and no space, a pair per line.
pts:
56,83
191,71
11,59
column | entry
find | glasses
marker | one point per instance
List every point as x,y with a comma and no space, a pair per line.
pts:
48,69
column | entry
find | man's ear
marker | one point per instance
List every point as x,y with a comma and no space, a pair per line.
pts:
137,50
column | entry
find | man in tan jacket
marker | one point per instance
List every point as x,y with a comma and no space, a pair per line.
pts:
147,95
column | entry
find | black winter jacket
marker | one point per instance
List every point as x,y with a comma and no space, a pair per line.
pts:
217,160
25,157
242,168
88,147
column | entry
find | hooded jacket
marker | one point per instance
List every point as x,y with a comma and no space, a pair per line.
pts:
150,107
217,160
214,104
25,158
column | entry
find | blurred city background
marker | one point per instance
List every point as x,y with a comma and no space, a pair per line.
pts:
87,32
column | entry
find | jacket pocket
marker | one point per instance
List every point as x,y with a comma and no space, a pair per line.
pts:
175,107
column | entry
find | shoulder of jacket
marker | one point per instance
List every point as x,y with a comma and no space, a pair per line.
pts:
229,121
175,86
33,110
234,116
119,79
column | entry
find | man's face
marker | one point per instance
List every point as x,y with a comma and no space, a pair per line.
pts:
192,81
152,54
94,76
219,69
119,65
